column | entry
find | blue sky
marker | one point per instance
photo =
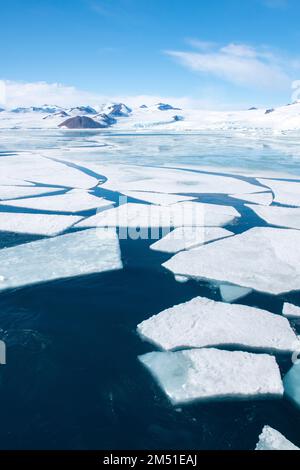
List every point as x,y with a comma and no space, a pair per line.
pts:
217,52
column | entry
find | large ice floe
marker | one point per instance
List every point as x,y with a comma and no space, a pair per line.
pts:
76,254
270,439
75,200
286,192
124,178
280,216
235,260
184,238
187,214
36,224
291,382
13,192
206,374
44,171
202,322
291,311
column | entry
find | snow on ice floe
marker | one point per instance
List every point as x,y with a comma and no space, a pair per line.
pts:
184,238
44,171
281,216
202,322
36,224
286,192
76,254
231,293
235,260
291,383
186,213
270,439
73,201
291,311
264,199
124,178
208,374
13,192
161,199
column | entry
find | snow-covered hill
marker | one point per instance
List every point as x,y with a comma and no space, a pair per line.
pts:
159,117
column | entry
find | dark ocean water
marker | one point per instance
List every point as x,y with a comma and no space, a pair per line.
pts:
73,381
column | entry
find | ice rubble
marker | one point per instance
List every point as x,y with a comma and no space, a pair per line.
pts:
202,322
184,238
76,254
73,201
205,374
280,216
291,382
235,260
44,170
291,311
187,213
13,192
286,192
161,199
36,224
270,439
264,199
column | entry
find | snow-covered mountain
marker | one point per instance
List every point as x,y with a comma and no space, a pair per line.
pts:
160,116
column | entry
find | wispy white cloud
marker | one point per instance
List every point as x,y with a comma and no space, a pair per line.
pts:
276,3
240,64
14,94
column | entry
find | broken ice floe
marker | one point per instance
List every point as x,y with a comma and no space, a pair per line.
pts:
76,254
263,259
36,224
231,293
291,311
280,216
270,439
184,238
161,199
13,192
45,171
73,201
192,214
206,374
286,192
264,199
202,322
291,382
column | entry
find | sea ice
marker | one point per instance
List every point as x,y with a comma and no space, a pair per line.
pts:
231,293
291,383
43,170
191,214
36,224
235,260
13,192
264,199
161,199
291,311
280,216
286,192
184,238
75,254
270,439
209,374
73,201
202,322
